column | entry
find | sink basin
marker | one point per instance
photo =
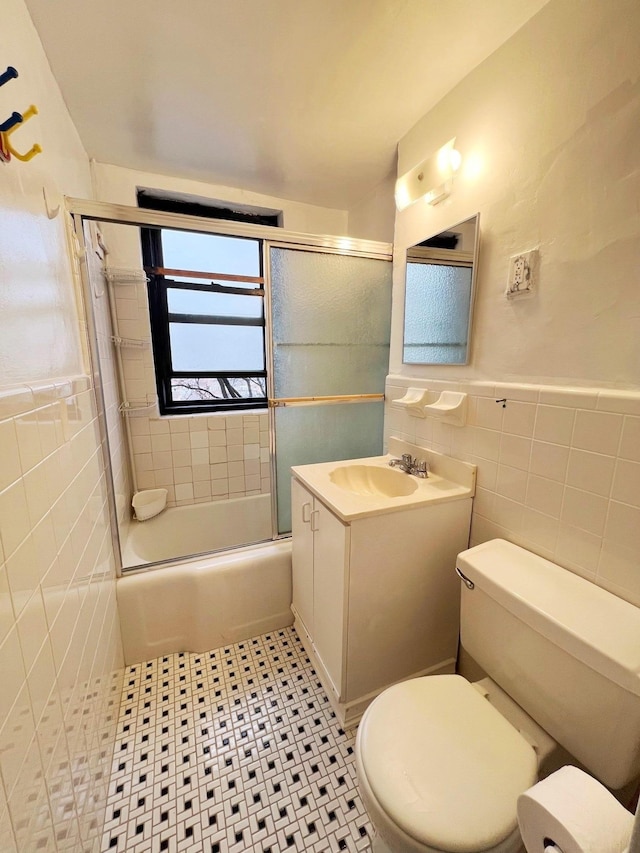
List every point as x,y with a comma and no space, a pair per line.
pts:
373,480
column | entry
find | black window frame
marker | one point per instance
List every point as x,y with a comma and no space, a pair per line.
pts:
160,317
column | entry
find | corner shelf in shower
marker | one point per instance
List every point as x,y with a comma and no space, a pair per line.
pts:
129,343
126,277
135,408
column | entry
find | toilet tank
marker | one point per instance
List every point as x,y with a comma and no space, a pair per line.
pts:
564,649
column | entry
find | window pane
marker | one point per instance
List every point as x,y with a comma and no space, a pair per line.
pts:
213,304
229,388
212,347
187,250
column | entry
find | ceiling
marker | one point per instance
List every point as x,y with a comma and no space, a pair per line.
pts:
301,99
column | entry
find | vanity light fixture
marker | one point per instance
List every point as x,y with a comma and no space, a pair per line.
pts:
431,179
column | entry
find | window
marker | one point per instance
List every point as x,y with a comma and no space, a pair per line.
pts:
206,300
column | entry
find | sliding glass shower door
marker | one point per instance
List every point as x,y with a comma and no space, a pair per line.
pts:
331,317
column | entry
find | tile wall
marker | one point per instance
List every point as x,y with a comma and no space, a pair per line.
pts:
200,458
558,471
60,649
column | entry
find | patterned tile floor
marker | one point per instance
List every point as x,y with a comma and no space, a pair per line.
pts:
232,750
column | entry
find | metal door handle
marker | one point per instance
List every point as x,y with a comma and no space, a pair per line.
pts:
315,513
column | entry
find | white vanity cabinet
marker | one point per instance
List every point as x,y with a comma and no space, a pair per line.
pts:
320,540
375,598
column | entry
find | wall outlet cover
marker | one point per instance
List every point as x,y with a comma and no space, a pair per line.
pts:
522,274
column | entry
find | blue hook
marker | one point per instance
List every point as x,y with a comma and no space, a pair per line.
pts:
12,121
7,75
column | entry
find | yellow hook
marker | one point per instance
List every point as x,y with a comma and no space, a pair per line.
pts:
31,153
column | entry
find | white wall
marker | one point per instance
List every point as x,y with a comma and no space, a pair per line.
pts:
37,305
549,129
118,185
60,650
373,218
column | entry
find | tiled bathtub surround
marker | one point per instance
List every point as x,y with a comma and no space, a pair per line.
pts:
200,458
558,471
231,751
60,651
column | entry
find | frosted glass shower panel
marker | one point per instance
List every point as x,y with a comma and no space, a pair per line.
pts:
331,323
323,433
438,298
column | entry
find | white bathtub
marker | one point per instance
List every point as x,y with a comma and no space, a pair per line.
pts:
205,603
198,529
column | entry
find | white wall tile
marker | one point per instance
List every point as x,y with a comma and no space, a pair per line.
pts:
630,441
178,425
515,451
592,472
623,525
160,443
545,495
540,529
10,467
511,483
29,446
486,443
549,460
184,491
554,424
626,482
235,436
573,398
180,440
200,456
597,431
199,440
584,510
619,570
579,549
14,517
519,418
181,476
488,413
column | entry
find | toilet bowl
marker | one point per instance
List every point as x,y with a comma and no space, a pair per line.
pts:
440,768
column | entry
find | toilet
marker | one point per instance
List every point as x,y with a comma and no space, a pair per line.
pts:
441,761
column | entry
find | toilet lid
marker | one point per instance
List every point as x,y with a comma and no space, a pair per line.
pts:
443,764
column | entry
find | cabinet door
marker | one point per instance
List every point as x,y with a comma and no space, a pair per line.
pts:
302,553
330,550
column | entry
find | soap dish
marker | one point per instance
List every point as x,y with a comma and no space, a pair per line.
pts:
149,502
450,408
413,402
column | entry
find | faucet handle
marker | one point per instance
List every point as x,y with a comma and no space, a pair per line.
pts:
420,467
407,458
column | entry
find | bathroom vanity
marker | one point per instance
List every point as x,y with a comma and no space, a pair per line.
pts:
375,594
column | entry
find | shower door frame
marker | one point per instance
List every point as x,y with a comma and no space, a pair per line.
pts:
275,402
82,210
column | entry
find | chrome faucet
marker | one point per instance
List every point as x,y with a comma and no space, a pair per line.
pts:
417,467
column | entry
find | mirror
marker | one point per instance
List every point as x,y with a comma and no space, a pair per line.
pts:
439,285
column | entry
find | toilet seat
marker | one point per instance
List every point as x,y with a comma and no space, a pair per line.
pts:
443,766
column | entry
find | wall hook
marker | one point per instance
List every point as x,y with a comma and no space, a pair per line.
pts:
7,75
502,400
12,121
35,149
